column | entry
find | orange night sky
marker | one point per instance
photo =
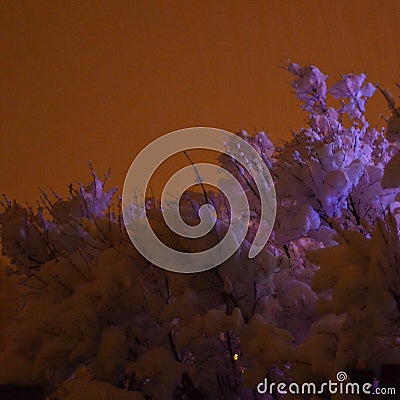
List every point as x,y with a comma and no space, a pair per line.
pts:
98,80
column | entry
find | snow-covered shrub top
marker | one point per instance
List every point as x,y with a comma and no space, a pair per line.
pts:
87,317
329,170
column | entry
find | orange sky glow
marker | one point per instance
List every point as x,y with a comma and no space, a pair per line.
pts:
98,80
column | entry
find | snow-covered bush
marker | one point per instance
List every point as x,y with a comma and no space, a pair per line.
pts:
361,275
330,170
87,317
